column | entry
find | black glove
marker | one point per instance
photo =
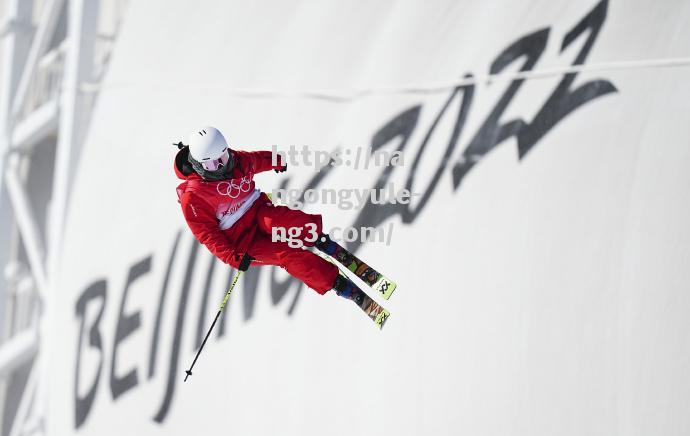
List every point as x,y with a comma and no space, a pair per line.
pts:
281,169
244,263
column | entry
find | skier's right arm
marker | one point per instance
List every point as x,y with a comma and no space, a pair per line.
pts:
204,225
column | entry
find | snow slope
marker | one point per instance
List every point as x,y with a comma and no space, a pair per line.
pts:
542,269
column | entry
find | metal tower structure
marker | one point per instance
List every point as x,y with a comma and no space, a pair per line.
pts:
50,51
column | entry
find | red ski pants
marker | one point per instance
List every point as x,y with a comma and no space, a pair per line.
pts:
304,265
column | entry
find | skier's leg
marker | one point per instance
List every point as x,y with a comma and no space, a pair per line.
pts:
270,216
315,272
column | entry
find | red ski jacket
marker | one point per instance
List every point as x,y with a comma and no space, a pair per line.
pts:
212,209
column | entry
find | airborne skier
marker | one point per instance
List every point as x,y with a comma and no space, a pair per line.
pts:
234,219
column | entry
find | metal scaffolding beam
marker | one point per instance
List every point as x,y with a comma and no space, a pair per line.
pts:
29,229
79,66
44,33
24,408
36,127
17,351
15,41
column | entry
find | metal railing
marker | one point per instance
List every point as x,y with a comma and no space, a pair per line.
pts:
45,86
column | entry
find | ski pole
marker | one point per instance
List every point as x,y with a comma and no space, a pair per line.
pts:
222,306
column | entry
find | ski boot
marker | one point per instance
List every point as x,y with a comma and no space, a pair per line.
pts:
326,244
346,289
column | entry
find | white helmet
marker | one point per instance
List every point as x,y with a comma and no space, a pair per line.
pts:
209,153
207,145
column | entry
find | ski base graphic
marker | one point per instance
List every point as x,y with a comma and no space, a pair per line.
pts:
372,278
374,311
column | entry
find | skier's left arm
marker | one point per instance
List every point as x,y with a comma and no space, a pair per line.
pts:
260,161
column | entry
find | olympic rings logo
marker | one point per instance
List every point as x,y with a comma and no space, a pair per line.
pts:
232,190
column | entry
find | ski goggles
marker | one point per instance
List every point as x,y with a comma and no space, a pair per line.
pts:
214,164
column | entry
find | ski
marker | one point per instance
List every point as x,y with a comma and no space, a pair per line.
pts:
373,310
372,278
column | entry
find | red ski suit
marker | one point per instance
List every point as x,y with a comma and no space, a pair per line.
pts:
232,217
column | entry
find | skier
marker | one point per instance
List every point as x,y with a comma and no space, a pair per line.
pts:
234,219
